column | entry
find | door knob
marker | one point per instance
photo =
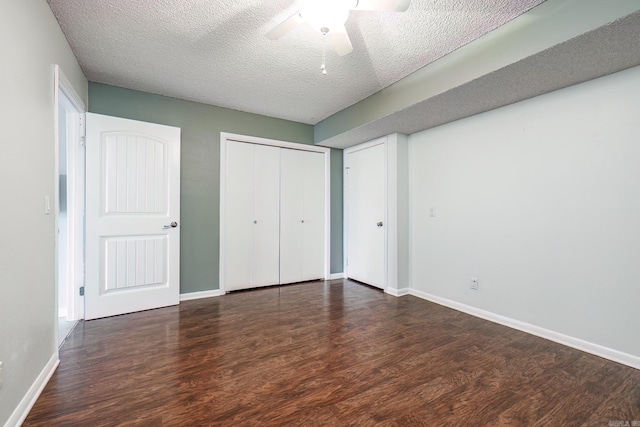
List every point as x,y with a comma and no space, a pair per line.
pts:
172,225
379,224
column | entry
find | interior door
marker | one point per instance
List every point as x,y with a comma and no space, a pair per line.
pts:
365,210
239,216
266,214
132,216
252,230
291,215
302,198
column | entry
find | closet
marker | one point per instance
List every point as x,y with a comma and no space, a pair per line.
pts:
273,214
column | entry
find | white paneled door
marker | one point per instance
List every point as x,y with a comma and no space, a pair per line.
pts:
302,210
252,232
365,211
132,216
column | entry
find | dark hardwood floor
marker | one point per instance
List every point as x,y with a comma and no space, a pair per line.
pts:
326,354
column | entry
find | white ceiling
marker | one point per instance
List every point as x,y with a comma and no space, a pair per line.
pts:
215,51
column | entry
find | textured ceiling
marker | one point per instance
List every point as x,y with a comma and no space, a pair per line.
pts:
215,51
605,50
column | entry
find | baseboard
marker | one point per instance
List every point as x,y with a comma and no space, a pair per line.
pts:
579,344
202,294
335,276
20,414
397,292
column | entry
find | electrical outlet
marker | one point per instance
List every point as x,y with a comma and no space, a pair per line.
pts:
0,374
474,283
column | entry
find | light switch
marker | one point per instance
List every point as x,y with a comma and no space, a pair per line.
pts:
47,205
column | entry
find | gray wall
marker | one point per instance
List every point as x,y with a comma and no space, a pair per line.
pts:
32,43
200,188
541,28
337,260
540,201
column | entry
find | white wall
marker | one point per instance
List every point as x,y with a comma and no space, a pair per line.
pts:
540,201
32,43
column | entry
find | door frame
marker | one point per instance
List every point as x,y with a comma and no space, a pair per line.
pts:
75,197
225,137
345,227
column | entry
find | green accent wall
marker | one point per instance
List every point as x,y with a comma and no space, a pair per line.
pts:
201,125
337,208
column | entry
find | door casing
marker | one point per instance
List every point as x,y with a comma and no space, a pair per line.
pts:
74,255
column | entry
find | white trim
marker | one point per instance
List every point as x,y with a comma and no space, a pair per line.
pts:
202,294
22,410
366,145
75,197
577,343
397,292
327,213
222,261
62,82
336,276
224,138
397,204
391,213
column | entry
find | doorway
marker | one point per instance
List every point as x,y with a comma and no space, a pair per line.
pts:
365,213
69,205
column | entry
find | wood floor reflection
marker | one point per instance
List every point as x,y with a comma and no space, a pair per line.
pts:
325,354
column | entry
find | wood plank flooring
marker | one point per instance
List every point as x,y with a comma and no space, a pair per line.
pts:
326,354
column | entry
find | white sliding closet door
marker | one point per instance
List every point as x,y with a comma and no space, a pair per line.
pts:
252,216
273,212
266,213
302,210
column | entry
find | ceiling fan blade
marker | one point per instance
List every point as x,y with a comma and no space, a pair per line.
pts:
289,24
341,41
383,5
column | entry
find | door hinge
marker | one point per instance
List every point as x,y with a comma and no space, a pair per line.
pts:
83,129
81,291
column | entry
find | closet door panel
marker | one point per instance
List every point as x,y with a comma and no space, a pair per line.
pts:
266,211
239,216
274,227
314,206
292,185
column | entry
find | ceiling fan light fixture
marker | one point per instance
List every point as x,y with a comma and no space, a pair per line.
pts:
326,14
329,17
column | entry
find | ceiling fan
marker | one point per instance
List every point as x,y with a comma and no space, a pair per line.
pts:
329,17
